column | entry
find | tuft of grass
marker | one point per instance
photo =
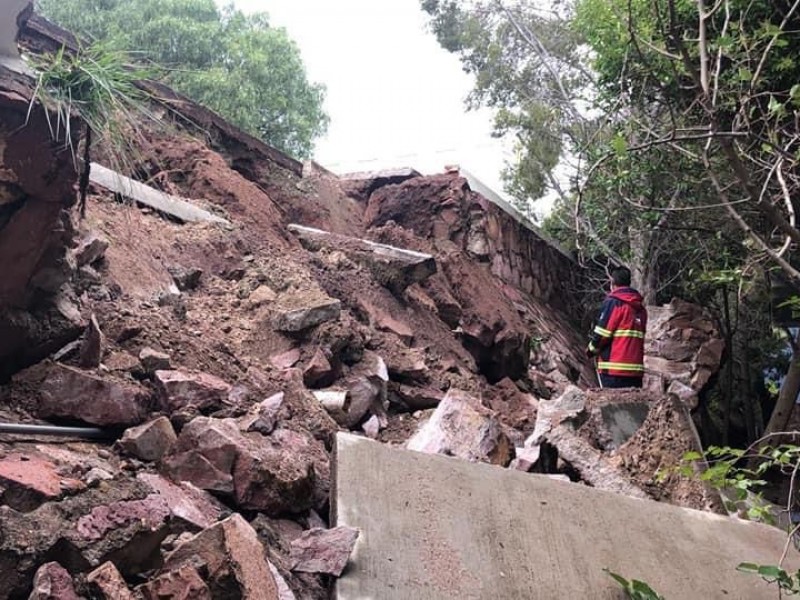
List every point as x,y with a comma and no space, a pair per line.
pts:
98,84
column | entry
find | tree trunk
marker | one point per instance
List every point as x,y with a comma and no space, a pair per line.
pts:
642,275
787,397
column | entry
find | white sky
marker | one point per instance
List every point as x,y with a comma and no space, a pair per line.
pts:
395,97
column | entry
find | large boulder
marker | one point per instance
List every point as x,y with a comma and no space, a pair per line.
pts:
70,393
461,427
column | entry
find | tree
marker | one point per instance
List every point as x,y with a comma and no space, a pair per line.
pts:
681,118
236,64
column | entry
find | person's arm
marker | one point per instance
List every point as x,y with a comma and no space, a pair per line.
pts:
604,330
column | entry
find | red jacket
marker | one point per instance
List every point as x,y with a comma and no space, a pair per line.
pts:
618,338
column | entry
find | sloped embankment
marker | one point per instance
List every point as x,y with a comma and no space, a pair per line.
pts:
229,355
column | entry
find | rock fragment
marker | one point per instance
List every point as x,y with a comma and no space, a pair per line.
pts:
323,550
461,427
150,441
53,582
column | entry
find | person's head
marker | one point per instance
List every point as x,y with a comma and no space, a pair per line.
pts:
621,277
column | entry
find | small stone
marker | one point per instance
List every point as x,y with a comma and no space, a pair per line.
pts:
185,278
260,296
91,351
323,550
150,441
285,360
53,582
153,360
372,427
318,371
106,583
91,249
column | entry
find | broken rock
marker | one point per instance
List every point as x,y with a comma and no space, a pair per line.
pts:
461,427
150,441
91,351
91,249
185,278
233,558
318,371
316,312
286,472
70,393
194,507
323,550
53,582
106,583
153,361
181,583
192,391
27,481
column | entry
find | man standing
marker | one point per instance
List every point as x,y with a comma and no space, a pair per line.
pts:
618,339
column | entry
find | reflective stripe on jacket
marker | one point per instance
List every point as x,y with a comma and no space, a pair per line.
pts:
618,338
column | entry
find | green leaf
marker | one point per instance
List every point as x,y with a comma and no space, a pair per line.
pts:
619,145
745,74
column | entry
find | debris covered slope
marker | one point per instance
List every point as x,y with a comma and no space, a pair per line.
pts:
223,356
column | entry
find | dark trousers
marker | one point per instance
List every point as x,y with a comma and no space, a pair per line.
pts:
618,381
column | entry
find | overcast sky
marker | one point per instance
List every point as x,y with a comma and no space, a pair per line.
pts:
395,97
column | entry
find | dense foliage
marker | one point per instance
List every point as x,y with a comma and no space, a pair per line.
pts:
677,124
236,64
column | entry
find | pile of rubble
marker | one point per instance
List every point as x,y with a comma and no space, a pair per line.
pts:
222,356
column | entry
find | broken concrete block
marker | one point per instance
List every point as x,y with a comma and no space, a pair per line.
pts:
232,558
91,249
323,550
185,278
150,441
196,508
316,312
91,350
106,583
461,427
191,390
594,469
153,360
53,582
570,404
70,393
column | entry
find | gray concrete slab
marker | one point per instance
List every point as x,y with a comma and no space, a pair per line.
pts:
144,194
623,419
438,528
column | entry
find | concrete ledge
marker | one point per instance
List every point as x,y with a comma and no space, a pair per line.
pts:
144,194
438,528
